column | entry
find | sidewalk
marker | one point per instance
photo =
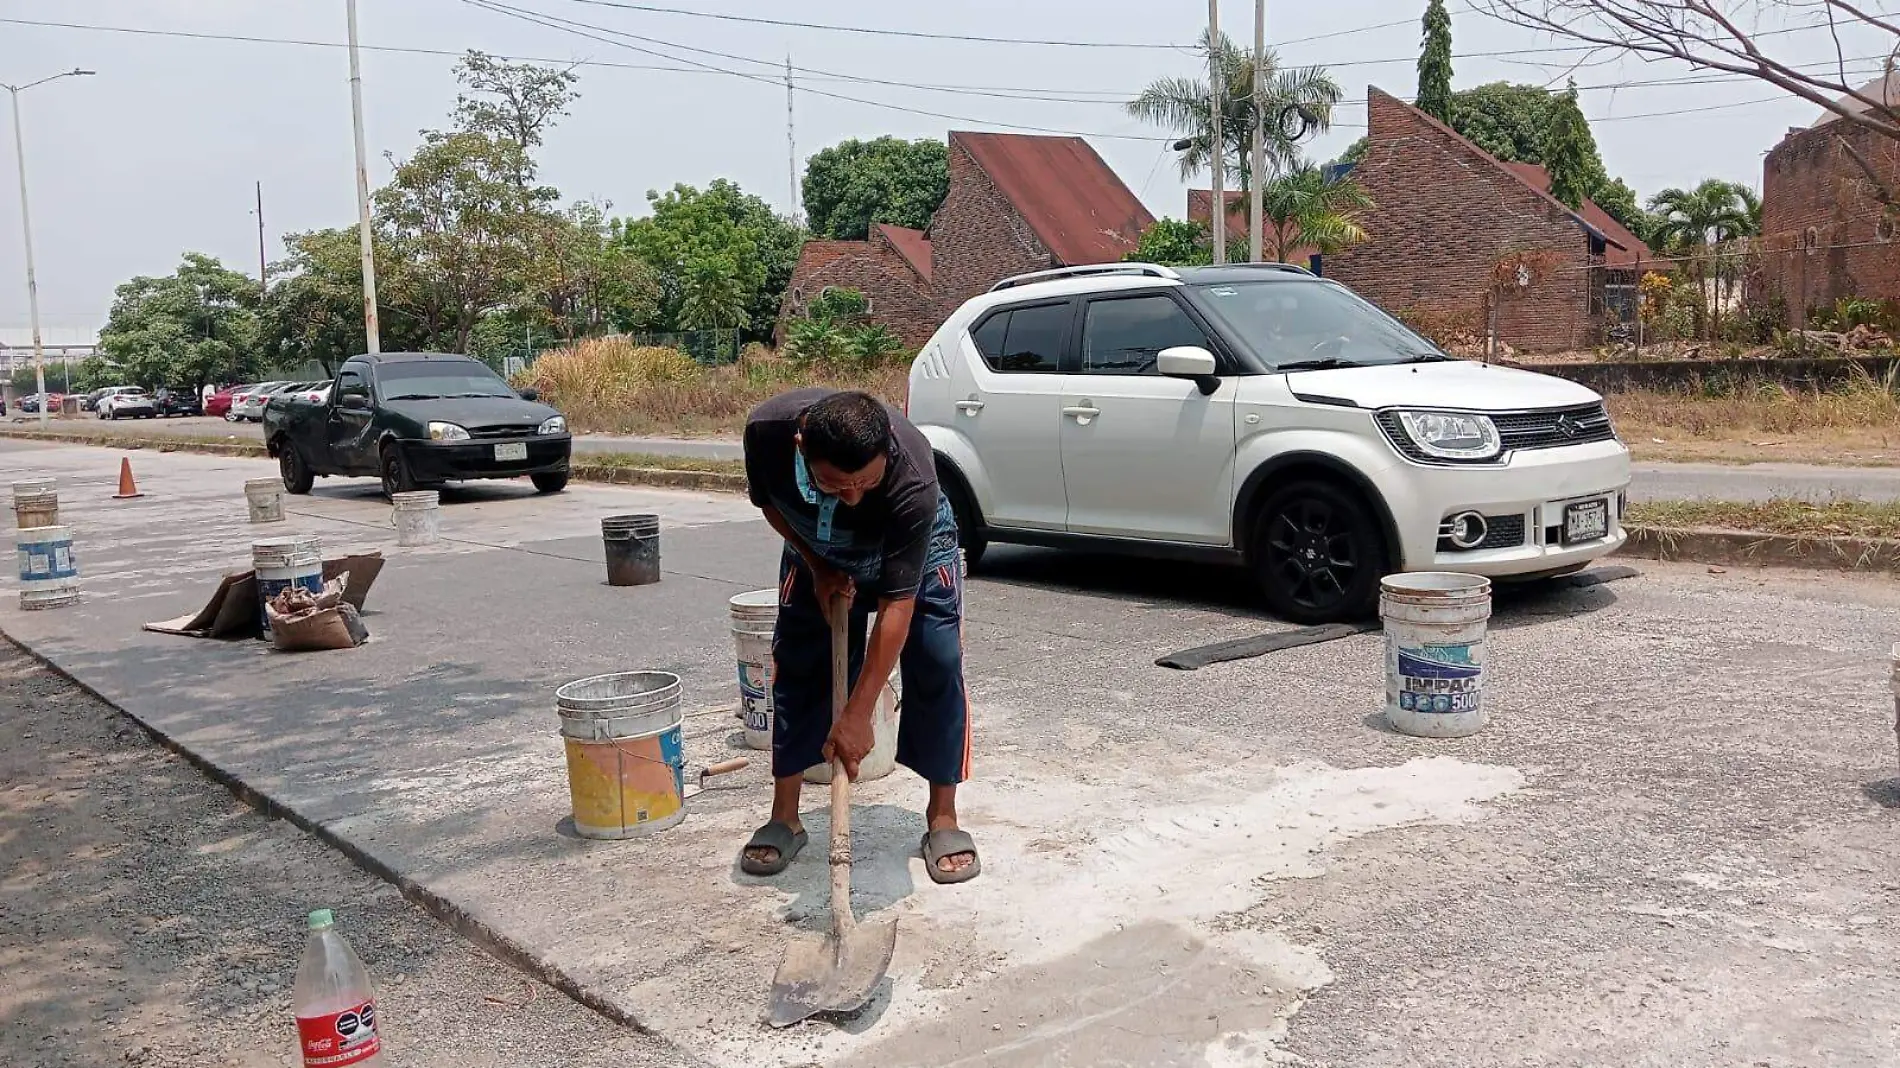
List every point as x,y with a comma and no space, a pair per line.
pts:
1176,864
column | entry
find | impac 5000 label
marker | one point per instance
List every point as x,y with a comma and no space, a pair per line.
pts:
346,1037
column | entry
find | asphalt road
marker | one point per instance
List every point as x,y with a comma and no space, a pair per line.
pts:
1652,481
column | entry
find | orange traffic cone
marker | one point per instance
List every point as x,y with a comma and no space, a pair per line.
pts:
128,489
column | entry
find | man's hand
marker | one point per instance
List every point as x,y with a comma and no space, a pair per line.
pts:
830,583
850,741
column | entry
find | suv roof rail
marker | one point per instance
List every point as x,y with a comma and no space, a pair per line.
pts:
1269,265
1153,270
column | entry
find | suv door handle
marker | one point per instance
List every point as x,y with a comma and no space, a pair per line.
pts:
969,407
1082,411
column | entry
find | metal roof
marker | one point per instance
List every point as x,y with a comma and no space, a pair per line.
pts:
1076,205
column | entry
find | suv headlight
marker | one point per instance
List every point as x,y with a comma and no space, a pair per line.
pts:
447,432
556,425
1451,435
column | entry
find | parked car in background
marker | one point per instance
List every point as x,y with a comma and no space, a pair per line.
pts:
418,419
91,400
128,402
314,392
219,405
248,406
170,402
1261,416
32,401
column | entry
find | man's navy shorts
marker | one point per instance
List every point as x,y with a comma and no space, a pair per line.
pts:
933,729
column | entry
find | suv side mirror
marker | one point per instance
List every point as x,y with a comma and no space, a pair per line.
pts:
355,402
1185,361
531,394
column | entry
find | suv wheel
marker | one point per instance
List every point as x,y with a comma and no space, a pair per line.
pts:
1318,553
968,522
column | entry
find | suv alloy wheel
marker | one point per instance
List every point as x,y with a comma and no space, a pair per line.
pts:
1318,553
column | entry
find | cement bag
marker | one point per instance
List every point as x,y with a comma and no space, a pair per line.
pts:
304,622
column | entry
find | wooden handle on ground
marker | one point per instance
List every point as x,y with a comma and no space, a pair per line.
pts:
725,767
841,917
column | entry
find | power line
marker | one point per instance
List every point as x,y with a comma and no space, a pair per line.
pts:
879,32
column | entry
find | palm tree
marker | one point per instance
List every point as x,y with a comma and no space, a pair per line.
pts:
1182,105
1696,221
1306,207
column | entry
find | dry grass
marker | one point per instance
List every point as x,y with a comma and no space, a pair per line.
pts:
1837,518
613,386
1858,423
660,463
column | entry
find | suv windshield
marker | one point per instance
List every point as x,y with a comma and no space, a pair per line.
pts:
1310,325
430,379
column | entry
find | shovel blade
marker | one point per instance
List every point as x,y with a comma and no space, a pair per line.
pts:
836,974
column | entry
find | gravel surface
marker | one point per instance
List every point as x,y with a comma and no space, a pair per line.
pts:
147,917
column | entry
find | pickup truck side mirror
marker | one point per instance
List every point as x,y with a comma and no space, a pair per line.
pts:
531,394
1189,361
354,402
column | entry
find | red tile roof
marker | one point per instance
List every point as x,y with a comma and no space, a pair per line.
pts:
1077,206
913,245
1633,248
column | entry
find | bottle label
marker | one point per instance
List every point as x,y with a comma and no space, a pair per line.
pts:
346,1037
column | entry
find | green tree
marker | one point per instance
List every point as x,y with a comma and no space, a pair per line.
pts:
691,228
1173,243
1304,208
185,329
1180,105
516,102
1694,223
1353,153
1512,122
712,297
1570,152
580,282
853,184
1434,63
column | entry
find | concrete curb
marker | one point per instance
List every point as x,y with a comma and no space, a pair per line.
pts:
129,442
443,909
1743,548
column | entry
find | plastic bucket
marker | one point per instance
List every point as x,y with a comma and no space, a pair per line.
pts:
35,503
754,616
418,517
626,770
49,575
279,563
1896,694
1434,652
266,498
633,549
882,759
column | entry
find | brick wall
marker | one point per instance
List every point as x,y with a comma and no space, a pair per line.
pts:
977,238
1823,234
1445,214
899,298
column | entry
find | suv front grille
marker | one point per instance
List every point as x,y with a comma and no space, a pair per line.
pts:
1500,532
1549,428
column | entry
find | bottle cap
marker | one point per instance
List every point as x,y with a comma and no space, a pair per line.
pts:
320,919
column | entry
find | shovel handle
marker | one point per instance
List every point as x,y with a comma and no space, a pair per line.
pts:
842,919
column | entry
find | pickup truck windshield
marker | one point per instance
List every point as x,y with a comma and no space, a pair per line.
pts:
1310,325
430,380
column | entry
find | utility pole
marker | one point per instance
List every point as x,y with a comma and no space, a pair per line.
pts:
26,232
1218,149
370,330
791,141
263,271
1257,171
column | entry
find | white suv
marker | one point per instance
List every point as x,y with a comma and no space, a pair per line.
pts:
1258,415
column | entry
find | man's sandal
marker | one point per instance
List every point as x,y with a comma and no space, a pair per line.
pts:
775,836
949,843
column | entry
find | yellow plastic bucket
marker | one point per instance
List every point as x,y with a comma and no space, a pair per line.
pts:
625,766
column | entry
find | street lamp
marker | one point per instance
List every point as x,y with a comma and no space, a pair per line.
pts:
26,232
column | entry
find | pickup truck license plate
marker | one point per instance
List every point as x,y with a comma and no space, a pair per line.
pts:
1586,521
511,451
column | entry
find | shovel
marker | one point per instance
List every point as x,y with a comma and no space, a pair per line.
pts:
839,972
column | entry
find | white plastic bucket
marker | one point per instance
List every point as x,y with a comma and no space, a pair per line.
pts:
1434,652
279,563
626,769
35,503
882,759
266,498
418,517
49,574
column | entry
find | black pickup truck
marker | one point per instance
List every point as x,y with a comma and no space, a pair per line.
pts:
417,420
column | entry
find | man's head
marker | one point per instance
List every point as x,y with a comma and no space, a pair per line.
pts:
846,439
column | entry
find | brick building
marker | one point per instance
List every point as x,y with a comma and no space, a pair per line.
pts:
1017,203
1824,232
1446,214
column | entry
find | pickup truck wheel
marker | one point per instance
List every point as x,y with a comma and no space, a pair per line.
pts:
1317,553
296,473
396,476
552,482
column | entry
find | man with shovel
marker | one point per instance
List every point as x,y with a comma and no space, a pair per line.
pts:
851,486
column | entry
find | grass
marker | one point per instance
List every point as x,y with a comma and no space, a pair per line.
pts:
1857,423
663,463
1828,519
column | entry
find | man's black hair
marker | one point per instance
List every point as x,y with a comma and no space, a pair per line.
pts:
846,430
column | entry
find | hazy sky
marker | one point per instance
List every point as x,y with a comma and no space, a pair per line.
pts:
157,154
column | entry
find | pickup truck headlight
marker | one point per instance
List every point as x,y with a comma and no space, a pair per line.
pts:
447,432
556,425
1451,435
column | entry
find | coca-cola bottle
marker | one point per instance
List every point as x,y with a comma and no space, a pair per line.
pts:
334,1002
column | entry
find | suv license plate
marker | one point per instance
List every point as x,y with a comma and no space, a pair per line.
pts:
1586,521
517,451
